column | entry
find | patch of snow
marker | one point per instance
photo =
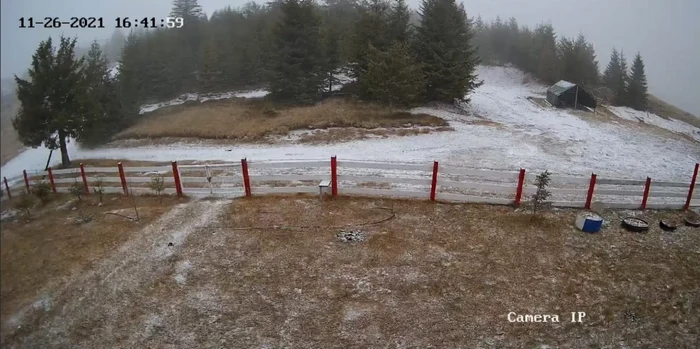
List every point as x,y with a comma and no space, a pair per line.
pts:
653,119
527,137
114,70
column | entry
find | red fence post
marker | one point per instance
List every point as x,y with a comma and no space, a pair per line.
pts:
433,185
647,186
692,187
26,181
591,188
82,174
246,178
334,176
176,178
53,185
7,187
122,177
521,183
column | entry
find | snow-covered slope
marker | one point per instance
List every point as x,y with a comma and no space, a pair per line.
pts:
527,136
655,120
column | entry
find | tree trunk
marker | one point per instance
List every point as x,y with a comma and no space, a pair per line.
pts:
65,160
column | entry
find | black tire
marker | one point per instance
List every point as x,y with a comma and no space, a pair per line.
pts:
667,226
691,223
635,225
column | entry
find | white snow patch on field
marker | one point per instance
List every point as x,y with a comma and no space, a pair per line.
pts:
528,137
655,120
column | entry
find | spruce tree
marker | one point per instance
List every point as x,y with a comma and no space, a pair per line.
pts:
372,29
399,21
544,53
637,88
443,45
50,111
393,77
99,105
620,92
211,78
296,71
612,71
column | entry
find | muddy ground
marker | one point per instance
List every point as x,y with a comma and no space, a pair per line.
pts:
270,272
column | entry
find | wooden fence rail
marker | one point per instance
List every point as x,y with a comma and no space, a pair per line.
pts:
428,181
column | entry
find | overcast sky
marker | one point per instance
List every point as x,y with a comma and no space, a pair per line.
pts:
667,33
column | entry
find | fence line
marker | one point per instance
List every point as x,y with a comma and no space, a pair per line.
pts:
428,181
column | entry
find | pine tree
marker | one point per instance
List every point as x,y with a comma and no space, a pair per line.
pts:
99,105
187,9
296,72
393,77
544,53
620,93
443,45
372,29
612,71
399,21
211,78
332,55
637,88
50,111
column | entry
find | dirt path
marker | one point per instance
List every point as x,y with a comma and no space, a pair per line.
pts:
91,310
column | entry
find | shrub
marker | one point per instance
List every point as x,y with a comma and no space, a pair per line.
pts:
99,187
77,189
42,190
24,202
157,184
539,199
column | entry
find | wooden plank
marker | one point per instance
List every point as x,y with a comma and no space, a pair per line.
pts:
562,191
661,194
105,179
619,192
479,173
504,189
101,169
289,164
66,170
148,169
570,180
288,178
603,181
386,166
67,180
217,166
34,173
670,184
266,190
362,179
472,199
193,180
380,192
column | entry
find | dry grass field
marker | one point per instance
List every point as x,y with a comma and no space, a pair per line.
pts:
253,120
270,272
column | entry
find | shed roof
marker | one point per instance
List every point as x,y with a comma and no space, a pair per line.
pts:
561,87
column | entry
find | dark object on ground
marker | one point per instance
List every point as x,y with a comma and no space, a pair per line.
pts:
668,226
692,221
170,244
351,236
635,225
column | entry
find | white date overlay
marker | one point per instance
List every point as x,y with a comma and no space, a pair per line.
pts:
575,316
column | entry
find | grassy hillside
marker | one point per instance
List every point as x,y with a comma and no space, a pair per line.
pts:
668,111
10,145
